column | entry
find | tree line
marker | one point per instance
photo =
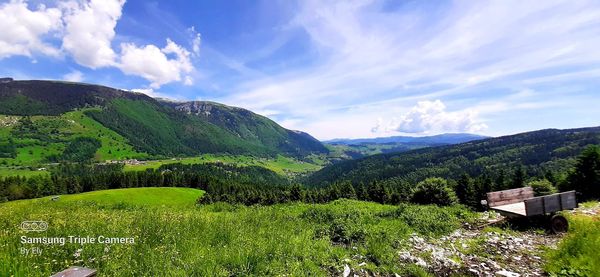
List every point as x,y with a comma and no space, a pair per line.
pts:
250,185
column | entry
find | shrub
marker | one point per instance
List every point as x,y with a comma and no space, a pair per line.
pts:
542,187
430,219
434,191
577,254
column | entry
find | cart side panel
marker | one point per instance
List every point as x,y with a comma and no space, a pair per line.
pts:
568,200
505,197
534,206
552,203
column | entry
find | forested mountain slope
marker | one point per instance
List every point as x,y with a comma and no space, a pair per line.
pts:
537,153
251,127
37,121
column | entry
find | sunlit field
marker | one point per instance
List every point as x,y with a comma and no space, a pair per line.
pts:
174,237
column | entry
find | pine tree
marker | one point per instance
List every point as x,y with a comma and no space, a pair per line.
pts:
464,189
518,178
585,178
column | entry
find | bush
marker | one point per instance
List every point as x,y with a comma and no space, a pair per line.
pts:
430,219
542,187
434,191
577,254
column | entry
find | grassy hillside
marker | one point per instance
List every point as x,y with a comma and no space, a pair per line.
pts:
539,152
174,238
48,136
143,125
219,239
281,164
148,197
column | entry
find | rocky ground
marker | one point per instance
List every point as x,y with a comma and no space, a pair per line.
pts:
477,251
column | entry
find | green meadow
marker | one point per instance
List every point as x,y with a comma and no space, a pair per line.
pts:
280,164
174,237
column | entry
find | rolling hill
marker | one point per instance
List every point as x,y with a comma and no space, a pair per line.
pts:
42,120
537,152
135,197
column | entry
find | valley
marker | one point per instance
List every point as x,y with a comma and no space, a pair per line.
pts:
209,189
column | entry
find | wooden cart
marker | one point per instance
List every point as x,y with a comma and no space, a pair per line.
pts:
520,202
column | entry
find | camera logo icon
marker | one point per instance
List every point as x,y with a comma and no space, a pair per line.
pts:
34,226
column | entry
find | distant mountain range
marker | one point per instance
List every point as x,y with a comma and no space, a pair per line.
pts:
40,120
437,139
358,148
542,153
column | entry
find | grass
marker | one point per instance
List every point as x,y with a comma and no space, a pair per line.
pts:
217,239
577,254
5,172
135,196
114,146
281,164
34,152
61,129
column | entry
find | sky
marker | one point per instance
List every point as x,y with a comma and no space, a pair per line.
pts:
334,69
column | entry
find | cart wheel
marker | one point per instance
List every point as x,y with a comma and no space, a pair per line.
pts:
559,224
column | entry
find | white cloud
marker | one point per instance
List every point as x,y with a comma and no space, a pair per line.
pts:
157,94
432,117
188,81
23,30
196,40
74,76
90,29
87,29
153,64
376,59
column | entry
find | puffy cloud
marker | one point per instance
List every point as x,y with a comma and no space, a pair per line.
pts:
153,64
74,76
23,29
87,29
90,28
430,117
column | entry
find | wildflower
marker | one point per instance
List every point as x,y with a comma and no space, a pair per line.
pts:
77,253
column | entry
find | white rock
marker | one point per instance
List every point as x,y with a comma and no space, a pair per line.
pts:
346,270
505,273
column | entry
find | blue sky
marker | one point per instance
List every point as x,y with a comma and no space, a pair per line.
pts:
333,69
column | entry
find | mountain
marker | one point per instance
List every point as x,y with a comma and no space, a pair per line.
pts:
358,148
437,139
41,120
251,127
537,153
